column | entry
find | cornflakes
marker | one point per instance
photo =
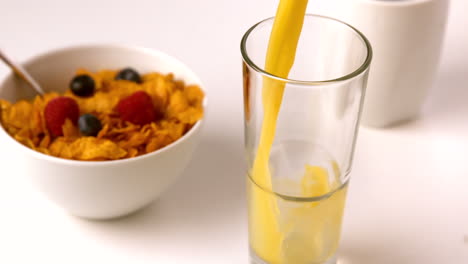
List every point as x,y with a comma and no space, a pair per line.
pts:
178,107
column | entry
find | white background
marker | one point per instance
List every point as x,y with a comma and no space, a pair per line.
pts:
408,198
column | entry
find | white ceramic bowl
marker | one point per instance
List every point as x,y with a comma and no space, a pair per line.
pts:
102,189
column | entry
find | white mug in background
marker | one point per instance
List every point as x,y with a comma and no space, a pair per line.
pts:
406,36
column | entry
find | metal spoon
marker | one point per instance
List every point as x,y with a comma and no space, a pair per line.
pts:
22,73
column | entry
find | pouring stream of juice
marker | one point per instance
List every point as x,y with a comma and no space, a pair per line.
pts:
284,232
266,238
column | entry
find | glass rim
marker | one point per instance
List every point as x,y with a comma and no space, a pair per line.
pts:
361,69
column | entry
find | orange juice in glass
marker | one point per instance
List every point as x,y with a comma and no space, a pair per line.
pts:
304,85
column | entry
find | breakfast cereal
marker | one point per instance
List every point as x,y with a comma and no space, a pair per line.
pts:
106,115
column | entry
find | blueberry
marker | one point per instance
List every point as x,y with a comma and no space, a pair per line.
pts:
82,85
89,125
128,74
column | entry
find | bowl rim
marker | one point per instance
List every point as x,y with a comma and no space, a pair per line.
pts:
80,163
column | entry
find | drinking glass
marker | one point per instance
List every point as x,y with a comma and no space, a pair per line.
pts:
296,203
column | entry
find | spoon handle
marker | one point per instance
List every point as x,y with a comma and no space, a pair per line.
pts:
19,70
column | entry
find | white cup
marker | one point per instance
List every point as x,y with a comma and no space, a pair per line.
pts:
406,38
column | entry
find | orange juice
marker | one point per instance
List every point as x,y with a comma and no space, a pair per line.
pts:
283,231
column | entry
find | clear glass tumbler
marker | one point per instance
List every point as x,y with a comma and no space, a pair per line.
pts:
300,134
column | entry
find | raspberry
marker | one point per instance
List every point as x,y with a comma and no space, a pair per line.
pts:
137,108
57,111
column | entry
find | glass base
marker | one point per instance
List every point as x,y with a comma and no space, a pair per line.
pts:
254,259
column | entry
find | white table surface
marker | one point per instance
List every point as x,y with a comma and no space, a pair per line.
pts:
408,198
